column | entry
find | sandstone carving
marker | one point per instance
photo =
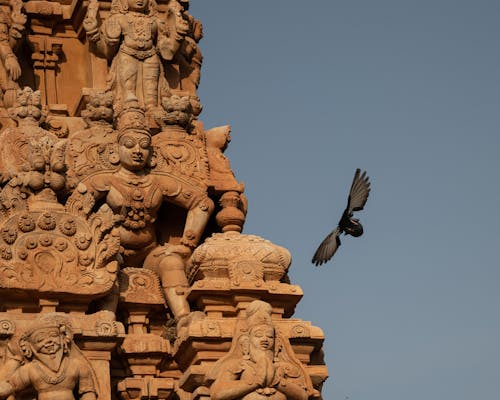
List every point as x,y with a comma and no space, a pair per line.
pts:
135,196
52,364
260,364
93,149
129,37
12,26
124,272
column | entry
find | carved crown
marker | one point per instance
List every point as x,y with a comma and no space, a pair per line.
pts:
132,120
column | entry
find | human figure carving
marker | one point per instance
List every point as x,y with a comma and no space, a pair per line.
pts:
135,38
217,140
189,56
53,366
11,31
258,367
135,195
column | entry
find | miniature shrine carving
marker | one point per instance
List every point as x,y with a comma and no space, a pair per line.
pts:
124,272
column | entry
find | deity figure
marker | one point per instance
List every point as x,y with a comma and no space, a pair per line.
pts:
260,366
135,38
11,30
184,72
52,364
217,141
135,194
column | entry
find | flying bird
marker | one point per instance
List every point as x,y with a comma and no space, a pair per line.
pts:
360,189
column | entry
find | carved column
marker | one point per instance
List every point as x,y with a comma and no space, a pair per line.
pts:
46,57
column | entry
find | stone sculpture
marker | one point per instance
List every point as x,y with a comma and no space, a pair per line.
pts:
135,196
259,366
123,270
12,22
93,149
22,145
52,364
136,40
130,36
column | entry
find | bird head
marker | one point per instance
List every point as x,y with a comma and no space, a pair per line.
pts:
354,228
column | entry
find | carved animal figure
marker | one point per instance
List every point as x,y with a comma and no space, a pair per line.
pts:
360,189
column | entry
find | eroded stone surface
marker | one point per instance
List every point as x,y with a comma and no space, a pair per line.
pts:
123,269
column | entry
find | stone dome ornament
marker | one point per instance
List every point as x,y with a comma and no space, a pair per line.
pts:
239,257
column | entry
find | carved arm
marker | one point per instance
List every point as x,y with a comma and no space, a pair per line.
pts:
105,38
199,207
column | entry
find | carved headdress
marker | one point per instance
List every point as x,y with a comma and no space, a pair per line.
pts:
258,313
132,120
121,7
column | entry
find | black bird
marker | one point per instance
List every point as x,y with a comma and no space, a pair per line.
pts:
360,189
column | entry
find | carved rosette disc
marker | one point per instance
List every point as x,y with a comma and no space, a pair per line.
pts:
57,252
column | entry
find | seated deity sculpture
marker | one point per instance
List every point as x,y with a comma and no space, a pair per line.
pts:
135,195
52,365
259,365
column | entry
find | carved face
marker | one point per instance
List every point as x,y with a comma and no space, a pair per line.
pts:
138,5
134,149
262,337
46,341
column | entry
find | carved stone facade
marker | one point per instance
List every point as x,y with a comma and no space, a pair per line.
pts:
123,270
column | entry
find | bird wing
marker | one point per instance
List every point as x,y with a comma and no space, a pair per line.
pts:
360,189
327,248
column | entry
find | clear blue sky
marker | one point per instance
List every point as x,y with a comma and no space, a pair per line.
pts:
409,91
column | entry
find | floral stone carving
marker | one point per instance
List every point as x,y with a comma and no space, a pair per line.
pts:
94,148
48,249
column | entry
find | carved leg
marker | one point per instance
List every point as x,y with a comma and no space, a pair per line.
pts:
127,78
174,283
151,75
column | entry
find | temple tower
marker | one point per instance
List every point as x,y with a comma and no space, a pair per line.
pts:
124,272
